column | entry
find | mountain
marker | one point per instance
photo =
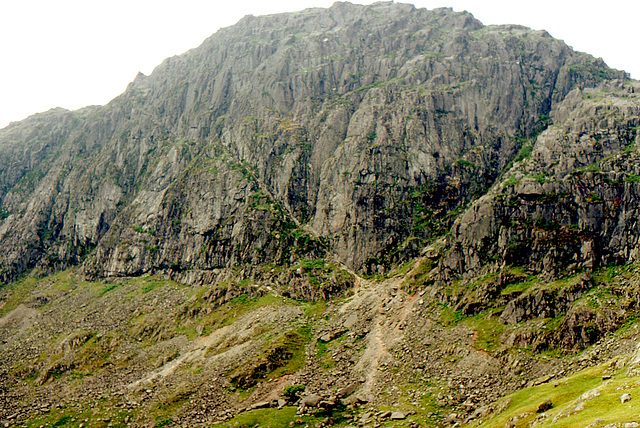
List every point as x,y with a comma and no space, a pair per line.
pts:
369,126
353,201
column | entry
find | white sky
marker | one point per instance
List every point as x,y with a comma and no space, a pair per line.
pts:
73,53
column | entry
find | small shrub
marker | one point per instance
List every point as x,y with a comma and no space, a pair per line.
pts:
511,181
592,168
465,164
292,392
525,153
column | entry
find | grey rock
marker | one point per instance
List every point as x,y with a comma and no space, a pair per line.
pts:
356,132
590,395
123,179
347,390
311,400
350,321
385,415
396,416
545,303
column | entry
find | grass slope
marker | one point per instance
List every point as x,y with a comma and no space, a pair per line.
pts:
585,398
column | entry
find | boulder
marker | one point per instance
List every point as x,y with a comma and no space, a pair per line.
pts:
347,390
311,400
544,406
260,405
397,416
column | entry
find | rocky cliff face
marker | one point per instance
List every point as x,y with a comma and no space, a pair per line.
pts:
568,204
361,131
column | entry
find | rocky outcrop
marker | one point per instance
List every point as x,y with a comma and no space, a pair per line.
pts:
568,204
545,303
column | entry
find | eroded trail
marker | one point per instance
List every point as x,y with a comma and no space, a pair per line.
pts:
387,306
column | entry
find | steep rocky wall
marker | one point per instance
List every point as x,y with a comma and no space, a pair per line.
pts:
571,204
370,127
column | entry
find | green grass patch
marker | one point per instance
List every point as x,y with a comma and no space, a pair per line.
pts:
313,264
628,325
15,293
109,287
403,269
511,181
449,317
533,283
465,164
322,354
525,151
418,276
630,148
270,418
150,286
283,355
228,313
610,273
315,309
64,281
594,167
291,344
62,421
92,356
540,178
73,416
564,395
488,330
163,422
523,286
140,229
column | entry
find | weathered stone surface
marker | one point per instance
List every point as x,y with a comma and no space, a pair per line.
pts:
565,207
590,395
370,134
544,303
261,405
397,416
311,400
350,321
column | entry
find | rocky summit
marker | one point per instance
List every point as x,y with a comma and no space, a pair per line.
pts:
355,216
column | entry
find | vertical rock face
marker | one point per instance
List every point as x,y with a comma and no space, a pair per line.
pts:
360,130
570,204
